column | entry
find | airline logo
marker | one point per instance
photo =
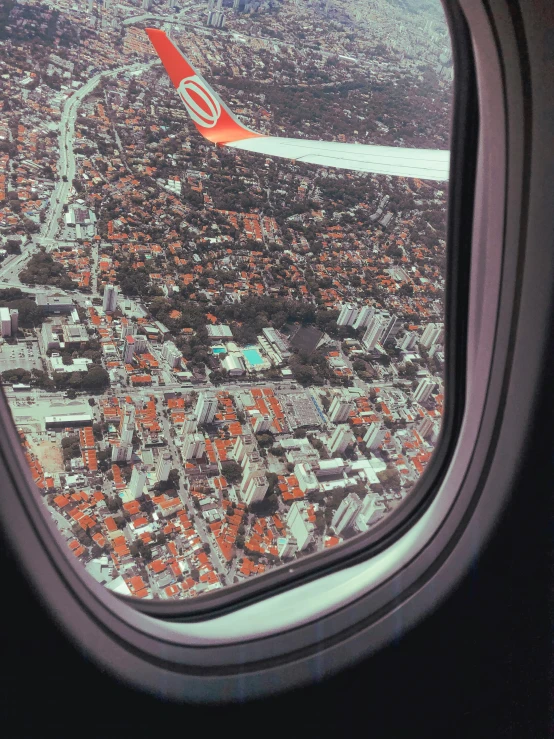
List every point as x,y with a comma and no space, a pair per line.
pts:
202,106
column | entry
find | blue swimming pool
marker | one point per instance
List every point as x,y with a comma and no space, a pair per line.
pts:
253,356
219,350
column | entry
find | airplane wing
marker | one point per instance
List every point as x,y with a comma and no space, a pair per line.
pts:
218,124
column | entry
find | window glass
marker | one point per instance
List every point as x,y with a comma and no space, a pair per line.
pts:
219,361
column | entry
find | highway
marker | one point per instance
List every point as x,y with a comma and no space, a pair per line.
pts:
66,169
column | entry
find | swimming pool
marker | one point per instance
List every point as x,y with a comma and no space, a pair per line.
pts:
253,356
219,350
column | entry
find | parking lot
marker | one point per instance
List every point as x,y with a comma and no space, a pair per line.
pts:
23,355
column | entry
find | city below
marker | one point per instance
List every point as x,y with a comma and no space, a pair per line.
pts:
219,362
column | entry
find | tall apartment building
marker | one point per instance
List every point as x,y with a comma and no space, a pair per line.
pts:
433,334
109,303
121,452
163,466
339,410
137,482
6,322
129,349
374,435
299,525
14,318
254,487
346,512
307,481
206,408
364,316
127,425
423,390
347,315
244,446
341,438
171,354
194,446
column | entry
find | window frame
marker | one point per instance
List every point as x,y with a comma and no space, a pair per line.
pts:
331,620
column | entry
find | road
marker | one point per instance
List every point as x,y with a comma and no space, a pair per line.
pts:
66,168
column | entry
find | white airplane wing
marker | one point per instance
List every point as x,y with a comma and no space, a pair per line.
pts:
218,124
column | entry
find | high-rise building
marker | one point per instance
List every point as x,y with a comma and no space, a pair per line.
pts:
364,316
371,511
244,446
347,315
6,322
137,482
307,481
409,341
216,16
261,423
299,524
391,328
109,303
141,343
147,4
346,512
206,408
425,427
423,390
254,486
129,349
433,333
126,328
341,438
171,354
121,452
340,408
374,435
127,425
14,319
375,330
163,467
194,446
189,426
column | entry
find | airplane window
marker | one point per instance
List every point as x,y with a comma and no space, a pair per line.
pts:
222,286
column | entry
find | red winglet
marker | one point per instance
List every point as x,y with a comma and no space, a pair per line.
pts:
209,113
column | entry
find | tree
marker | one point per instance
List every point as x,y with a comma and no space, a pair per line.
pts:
232,471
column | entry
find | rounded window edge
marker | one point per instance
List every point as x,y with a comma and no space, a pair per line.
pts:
103,624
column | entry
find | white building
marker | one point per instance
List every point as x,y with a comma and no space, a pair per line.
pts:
433,333
307,481
340,408
423,390
206,408
408,342
6,322
347,315
261,423
14,318
371,511
425,426
374,435
364,316
127,425
137,482
244,446
109,303
300,526
234,364
171,354
346,512
122,452
141,343
341,438
129,349
374,331
163,467
256,487
194,446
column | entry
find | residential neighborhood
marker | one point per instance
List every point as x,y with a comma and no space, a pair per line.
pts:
219,362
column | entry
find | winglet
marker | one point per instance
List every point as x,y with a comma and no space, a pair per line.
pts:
209,113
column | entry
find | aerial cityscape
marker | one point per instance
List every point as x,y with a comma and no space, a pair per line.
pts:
218,361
